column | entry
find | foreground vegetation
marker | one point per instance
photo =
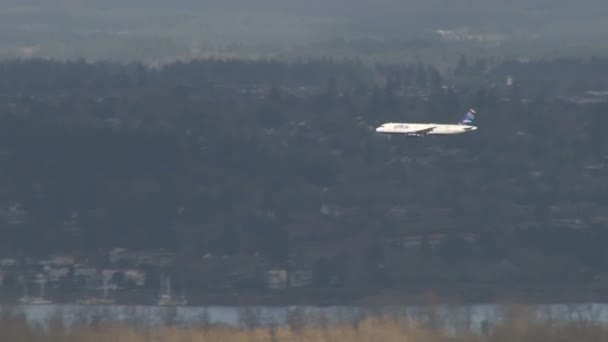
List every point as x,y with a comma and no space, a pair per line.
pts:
518,326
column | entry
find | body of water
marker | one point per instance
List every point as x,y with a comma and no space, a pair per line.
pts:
457,318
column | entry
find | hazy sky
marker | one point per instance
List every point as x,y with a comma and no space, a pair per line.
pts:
161,27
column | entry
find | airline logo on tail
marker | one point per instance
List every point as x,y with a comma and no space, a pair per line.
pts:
468,117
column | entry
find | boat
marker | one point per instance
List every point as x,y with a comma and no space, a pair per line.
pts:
105,300
166,297
40,300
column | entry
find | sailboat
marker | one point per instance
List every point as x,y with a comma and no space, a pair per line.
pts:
26,299
166,298
96,300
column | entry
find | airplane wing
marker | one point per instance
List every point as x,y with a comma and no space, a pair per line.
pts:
423,131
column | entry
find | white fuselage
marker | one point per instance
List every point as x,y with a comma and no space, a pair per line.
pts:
424,128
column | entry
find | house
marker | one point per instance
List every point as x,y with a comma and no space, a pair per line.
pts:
276,279
571,223
339,211
299,278
516,212
160,259
62,260
591,166
439,212
58,261
109,273
396,212
417,240
433,239
116,254
598,93
136,258
408,241
86,272
599,219
8,262
470,237
56,274
136,276
14,214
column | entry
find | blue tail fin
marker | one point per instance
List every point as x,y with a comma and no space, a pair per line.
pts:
468,117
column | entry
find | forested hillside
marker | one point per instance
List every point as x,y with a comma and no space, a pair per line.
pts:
281,160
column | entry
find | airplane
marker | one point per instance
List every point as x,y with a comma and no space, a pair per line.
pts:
424,129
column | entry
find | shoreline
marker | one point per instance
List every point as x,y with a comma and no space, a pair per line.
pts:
526,295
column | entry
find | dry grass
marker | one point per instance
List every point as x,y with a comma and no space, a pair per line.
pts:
517,326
